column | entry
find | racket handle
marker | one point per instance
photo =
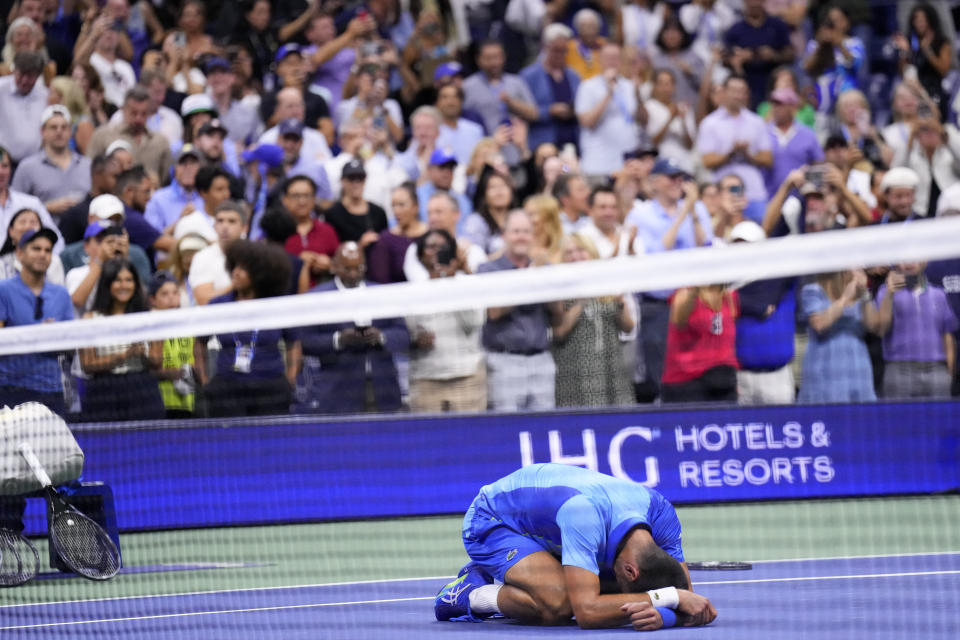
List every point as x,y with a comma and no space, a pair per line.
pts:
27,452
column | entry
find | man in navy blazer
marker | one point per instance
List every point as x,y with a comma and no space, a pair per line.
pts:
554,85
348,366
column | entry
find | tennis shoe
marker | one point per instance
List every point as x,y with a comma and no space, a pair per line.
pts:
453,601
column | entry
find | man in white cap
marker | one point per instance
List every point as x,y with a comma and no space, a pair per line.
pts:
152,150
899,186
57,175
106,209
765,328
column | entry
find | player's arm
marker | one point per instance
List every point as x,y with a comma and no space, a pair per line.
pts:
594,610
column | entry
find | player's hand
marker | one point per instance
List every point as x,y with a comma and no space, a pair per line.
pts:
351,339
373,337
696,609
643,616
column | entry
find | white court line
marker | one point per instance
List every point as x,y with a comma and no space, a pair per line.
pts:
203,593
209,613
879,555
851,577
394,580
419,598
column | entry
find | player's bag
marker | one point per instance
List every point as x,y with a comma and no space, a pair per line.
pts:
51,440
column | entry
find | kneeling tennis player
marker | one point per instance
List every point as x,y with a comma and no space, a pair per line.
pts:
551,542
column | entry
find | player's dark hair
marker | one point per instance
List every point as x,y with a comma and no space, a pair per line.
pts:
658,569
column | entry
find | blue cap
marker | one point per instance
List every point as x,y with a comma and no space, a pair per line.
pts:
215,63
446,70
287,50
666,167
42,232
97,227
441,156
269,154
290,127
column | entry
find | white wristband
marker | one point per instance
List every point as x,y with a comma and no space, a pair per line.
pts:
666,597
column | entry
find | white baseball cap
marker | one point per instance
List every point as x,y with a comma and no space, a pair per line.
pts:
54,110
106,206
747,231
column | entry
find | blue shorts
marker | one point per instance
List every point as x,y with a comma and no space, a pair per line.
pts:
492,544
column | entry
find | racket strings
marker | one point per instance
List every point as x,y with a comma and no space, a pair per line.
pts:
84,546
19,560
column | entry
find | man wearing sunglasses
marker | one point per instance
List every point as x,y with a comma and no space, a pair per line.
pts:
29,299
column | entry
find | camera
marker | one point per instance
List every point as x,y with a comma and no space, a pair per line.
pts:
815,175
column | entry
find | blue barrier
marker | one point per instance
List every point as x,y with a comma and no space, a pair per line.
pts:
305,469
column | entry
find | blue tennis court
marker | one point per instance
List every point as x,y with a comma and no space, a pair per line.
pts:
888,596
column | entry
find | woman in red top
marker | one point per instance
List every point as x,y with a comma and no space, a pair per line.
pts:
701,361
315,241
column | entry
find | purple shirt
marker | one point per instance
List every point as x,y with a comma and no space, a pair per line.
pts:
919,321
800,149
331,75
385,258
720,130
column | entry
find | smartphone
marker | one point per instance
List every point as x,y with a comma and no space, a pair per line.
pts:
911,281
924,111
815,175
180,39
444,257
379,122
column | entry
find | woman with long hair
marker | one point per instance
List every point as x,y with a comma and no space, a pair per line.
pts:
91,86
586,343
179,261
547,229
834,58
385,259
22,221
121,385
836,366
671,126
676,56
928,51
493,200
253,376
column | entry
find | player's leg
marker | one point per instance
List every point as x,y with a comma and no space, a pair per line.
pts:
534,591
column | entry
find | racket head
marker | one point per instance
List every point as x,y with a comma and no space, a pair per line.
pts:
719,565
19,561
80,542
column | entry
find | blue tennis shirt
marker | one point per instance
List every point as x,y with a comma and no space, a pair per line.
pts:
580,515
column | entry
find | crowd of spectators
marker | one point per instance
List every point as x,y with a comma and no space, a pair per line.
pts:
156,155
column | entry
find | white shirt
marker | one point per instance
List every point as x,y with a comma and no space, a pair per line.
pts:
209,267
606,248
74,277
315,147
615,133
414,270
456,351
20,118
672,145
346,108
382,178
117,77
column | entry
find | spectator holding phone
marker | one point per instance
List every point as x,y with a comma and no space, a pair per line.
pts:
933,152
349,366
836,366
852,121
928,52
917,326
448,370
834,57
794,145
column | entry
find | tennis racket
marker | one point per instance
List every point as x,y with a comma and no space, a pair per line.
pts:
80,542
19,559
719,565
